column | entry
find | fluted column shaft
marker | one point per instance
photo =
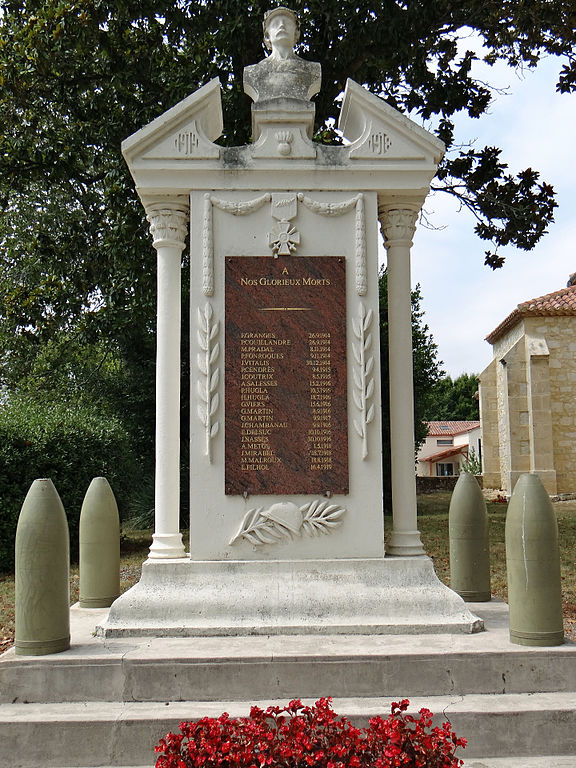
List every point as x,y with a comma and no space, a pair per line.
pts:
398,226
168,226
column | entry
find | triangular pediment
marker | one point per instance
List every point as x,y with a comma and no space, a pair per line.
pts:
377,131
186,131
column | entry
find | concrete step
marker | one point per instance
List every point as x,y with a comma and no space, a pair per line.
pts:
163,672
106,703
122,734
226,668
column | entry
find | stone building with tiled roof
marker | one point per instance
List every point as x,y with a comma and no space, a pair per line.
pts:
528,395
446,448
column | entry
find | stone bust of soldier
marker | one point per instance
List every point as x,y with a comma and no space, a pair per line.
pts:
283,74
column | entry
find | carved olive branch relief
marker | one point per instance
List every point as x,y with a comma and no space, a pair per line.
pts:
339,209
236,208
362,374
285,521
207,383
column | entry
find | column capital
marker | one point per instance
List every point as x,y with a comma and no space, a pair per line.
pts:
168,223
398,225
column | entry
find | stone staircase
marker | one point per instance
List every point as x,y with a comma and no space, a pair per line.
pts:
107,702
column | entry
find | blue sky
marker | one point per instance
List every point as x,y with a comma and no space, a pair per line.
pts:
463,300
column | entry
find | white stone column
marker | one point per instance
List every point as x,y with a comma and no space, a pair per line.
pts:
398,226
168,226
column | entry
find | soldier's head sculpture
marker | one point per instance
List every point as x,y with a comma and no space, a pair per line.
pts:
281,30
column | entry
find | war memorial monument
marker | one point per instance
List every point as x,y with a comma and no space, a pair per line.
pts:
286,523
285,590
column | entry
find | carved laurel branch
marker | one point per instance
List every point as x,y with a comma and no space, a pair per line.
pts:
209,374
363,379
269,526
338,209
241,208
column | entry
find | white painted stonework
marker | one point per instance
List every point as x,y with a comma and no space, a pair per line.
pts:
240,223
293,562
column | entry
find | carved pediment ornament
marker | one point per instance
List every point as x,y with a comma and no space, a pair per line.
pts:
284,139
379,142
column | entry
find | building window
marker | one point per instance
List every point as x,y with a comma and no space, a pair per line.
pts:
444,470
445,441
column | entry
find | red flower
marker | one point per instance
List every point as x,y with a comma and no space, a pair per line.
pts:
298,736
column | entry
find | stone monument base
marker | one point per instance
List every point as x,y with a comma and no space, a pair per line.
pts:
392,595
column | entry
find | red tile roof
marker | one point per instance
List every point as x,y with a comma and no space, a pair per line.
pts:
463,449
560,303
451,428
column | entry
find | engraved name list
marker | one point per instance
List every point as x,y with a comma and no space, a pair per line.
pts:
286,423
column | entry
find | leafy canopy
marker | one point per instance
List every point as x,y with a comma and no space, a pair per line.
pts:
79,76
453,399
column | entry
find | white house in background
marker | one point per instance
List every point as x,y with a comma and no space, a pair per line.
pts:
447,447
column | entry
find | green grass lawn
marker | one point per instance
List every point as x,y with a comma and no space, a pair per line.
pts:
433,524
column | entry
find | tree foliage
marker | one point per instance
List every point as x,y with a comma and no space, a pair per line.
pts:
471,463
78,76
453,399
427,370
69,442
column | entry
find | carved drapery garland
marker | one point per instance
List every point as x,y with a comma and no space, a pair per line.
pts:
285,520
362,374
339,209
244,208
209,376
241,208
398,226
168,226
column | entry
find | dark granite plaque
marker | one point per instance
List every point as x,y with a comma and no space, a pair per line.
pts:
286,425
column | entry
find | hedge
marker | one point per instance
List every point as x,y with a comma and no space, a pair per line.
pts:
68,442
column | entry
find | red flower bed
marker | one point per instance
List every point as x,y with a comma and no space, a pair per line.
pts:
297,736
